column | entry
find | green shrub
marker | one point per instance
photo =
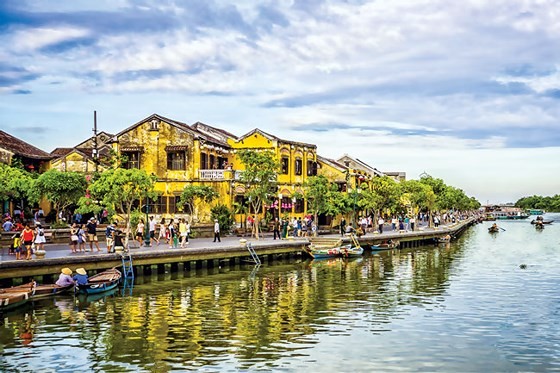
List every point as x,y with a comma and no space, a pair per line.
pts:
224,216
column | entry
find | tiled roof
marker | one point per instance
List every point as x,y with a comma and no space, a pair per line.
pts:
58,152
21,148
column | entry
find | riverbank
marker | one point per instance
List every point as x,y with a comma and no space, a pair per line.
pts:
199,253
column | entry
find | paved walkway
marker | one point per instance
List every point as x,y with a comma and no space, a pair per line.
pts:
57,250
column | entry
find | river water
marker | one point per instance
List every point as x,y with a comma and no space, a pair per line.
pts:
486,302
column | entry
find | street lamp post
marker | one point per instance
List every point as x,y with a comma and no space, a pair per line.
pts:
279,204
147,228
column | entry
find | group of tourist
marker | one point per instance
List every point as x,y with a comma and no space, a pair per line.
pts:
26,241
173,233
80,234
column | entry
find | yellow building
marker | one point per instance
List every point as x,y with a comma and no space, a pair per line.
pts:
81,158
297,160
178,155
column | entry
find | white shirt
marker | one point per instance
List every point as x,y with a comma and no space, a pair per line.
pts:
152,225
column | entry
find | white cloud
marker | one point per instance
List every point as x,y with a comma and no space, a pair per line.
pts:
29,40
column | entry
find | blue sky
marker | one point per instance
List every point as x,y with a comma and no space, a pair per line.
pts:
466,91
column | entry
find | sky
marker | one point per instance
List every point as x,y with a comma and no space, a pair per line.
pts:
466,91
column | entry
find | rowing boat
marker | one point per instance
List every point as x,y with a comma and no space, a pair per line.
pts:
101,282
9,300
39,291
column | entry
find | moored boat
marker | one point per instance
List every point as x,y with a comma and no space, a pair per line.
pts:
101,282
321,253
39,291
385,245
9,300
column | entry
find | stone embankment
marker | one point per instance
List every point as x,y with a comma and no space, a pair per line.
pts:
198,254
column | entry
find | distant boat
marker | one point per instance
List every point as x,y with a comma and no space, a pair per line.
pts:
535,212
500,215
541,221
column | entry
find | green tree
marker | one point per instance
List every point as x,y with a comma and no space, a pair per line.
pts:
62,189
224,216
386,196
323,197
259,177
15,183
192,195
118,189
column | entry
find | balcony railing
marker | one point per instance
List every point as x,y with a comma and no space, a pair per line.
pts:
214,174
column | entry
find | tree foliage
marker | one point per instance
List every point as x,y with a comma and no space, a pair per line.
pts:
15,183
62,189
192,195
323,197
118,189
259,177
547,203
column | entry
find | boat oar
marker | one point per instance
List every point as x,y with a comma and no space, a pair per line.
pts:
502,229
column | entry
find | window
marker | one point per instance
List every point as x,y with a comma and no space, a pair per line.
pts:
132,160
285,167
173,202
154,125
159,206
203,161
298,206
311,168
298,166
212,164
176,160
286,205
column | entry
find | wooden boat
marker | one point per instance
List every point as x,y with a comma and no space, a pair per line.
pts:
541,221
493,230
445,239
351,251
9,300
354,250
385,245
101,282
40,291
321,253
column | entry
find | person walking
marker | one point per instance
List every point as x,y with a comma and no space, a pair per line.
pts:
183,233
276,228
342,227
216,231
81,238
39,237
163,233
380,223
152,230
27,237
91,228
74,237
412,222
140,232
109,233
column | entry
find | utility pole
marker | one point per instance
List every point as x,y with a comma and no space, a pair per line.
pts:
95,154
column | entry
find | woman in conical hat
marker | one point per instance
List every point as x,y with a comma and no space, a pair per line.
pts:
65,278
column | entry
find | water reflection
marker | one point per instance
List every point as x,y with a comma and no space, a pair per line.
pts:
415,303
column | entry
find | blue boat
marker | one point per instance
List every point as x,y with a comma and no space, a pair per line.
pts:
385,245
101,282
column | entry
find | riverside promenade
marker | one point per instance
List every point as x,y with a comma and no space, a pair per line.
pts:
200,252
